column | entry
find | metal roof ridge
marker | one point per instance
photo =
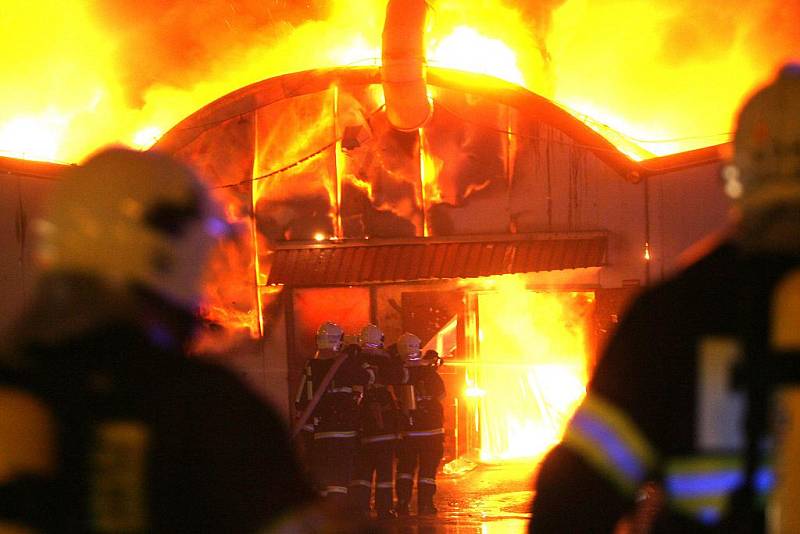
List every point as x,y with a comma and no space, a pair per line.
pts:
32,168
684,160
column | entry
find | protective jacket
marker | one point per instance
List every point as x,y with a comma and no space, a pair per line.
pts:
336,415
380,416
334,427
663,406
380,426
422,445
148,440
427,417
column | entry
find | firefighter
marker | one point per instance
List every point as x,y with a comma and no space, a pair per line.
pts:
379,427
105,424
330,411
422,442
663,408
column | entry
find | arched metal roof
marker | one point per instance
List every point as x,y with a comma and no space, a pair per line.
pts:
528,104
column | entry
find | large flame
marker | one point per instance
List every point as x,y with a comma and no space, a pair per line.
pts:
530,369
667,74
466,49
653,76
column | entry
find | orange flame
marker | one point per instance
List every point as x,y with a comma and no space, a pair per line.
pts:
430,166
466,49
231,304
655,77
667,75
530,370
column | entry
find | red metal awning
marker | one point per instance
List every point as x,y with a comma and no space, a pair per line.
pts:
407,260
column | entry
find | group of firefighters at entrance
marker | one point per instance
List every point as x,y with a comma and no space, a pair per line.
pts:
362,406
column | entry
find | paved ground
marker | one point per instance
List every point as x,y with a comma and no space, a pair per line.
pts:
487,500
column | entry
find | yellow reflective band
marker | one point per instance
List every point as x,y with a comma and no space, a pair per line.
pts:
703,464
708,510
622,424
609,441
589,451
702,485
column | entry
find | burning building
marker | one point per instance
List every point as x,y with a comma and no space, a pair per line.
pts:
505,232
501,229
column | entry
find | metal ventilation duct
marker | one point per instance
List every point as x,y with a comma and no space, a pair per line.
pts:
403,70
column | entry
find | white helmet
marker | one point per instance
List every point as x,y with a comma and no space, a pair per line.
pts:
371,337
132,218
409,348
330,336
765,175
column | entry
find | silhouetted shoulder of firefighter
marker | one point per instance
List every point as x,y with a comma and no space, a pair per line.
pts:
258,473
427,382
220,457
388,369
352,371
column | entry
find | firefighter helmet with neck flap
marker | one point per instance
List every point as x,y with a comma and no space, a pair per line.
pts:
330,336
132,219
409,348
371,337
765,176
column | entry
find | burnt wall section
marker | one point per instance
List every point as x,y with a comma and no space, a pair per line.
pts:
326,161
24,188
298,135
684,207
223,157
425,313
349,307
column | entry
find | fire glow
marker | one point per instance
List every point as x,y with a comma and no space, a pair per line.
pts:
466,49
667,75
530,370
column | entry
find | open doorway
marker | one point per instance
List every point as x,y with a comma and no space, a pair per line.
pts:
517,361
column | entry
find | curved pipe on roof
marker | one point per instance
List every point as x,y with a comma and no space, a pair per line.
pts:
403,64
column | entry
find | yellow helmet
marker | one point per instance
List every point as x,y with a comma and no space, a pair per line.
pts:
767,138
132,218
765,175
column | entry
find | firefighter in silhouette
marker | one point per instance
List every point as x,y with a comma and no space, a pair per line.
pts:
105,424
330,411
663,408
379,427
422,443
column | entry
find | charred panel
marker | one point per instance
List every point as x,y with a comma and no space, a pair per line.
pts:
426,312
381,195
295,168
466,148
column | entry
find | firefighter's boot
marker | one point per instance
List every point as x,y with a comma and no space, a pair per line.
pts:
425,490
